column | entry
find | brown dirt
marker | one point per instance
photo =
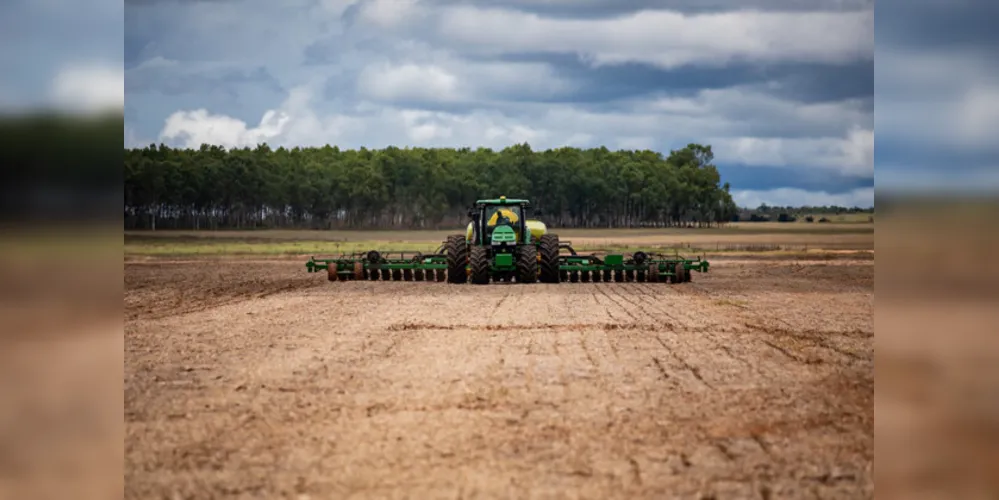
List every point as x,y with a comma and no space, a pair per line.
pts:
257,379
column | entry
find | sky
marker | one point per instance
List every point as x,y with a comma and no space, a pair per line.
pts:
783,90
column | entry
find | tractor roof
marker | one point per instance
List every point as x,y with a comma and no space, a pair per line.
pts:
503,200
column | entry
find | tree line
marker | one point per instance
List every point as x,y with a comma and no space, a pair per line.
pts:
417,188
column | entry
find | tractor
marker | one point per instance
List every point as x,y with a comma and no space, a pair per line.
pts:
502,244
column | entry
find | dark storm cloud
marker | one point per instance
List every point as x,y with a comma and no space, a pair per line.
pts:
938,24
167,80
898,152
764,178
806,83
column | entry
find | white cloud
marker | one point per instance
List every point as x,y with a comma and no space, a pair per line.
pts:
429,75
669,39
293,123
89,87
850,155
193,128
408,81
391,13
863,197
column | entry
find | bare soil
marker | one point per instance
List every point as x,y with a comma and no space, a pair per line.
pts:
257,379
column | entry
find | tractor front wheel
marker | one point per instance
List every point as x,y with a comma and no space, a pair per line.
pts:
480,265
527,264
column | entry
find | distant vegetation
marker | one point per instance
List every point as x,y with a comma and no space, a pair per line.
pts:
823,214
417,188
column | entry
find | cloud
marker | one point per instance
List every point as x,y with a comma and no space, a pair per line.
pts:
89,88
667,39
170,77
852,155
595,9
781,89
639,125
783,197
439,78
408,81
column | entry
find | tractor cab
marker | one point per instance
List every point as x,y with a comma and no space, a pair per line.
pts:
499,222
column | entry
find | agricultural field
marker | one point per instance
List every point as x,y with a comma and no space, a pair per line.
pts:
782,238
247,376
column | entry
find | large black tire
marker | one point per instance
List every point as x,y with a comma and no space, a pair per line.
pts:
457,258
548,249
479,261
527,264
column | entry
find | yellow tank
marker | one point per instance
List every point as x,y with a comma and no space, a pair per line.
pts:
536,227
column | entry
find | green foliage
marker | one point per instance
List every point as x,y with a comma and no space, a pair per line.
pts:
417,188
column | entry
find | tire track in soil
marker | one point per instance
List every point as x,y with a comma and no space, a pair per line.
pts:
683,339
709,333
772,344
635,337
621,363
757,322
622,307
608,307
499,304
694,370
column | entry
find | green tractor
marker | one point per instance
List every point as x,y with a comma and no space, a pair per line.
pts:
502,244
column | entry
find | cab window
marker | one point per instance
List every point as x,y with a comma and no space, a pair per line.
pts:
495,214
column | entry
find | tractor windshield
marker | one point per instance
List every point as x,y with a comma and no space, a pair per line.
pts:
502,214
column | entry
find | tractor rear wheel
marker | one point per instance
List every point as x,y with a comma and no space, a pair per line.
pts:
480,265
527,264
457,257
548,248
